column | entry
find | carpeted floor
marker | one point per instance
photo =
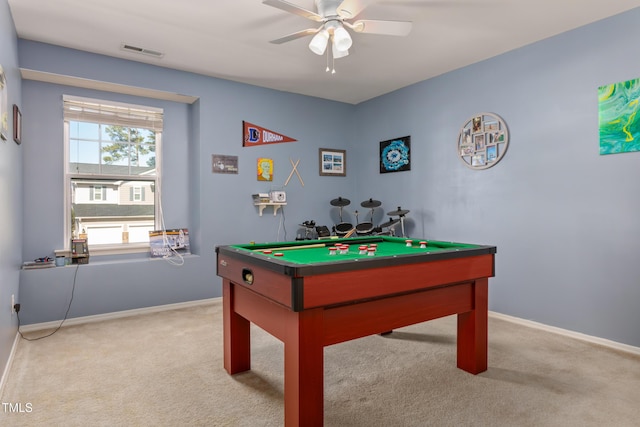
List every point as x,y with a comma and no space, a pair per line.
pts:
165,369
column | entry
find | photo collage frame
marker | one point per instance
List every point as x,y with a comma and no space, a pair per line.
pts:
483,141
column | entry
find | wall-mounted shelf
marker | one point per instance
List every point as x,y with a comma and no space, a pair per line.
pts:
276,206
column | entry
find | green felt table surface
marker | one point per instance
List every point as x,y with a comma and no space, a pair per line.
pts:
317,251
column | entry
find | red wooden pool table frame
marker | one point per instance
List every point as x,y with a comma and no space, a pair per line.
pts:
346,305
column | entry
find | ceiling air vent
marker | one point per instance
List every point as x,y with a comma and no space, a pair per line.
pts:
136,49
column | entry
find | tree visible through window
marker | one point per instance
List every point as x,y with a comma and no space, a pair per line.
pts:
112,156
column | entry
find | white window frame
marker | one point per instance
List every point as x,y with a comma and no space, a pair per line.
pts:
109,249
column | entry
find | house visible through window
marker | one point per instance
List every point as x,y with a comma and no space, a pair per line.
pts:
136,193
97,193
112,159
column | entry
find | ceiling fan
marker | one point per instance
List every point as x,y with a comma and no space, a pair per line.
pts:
334,16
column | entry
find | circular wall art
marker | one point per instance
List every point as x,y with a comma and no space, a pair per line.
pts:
483,140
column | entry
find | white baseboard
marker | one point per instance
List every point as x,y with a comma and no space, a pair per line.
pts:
135,312
115,315
577,335
7,367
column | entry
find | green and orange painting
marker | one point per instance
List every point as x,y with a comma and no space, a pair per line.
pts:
619,119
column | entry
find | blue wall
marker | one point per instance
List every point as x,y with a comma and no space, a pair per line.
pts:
217,209
10,189
565,219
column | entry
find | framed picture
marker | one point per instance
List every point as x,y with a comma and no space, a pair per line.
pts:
333,162
17,125
395,155
618,121
221,163
265,169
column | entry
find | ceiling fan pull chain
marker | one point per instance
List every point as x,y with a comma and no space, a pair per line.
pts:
327,69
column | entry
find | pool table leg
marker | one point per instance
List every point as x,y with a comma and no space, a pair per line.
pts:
237,338
304,369
472,331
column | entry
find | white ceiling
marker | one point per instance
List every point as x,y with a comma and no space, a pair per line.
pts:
230,38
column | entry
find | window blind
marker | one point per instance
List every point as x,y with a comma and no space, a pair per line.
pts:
86,110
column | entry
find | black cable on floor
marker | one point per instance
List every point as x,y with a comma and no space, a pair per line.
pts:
75,274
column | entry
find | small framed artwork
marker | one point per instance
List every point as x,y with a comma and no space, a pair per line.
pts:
395,155
265,169
221,163
17,125
332,162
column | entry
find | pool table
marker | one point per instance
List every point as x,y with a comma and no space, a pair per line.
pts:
310,296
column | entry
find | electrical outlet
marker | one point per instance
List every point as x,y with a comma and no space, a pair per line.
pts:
13,303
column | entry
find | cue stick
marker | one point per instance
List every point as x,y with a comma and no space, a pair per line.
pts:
319,245
290,248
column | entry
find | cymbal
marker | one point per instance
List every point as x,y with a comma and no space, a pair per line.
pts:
389,223
370,203
399,212
340,202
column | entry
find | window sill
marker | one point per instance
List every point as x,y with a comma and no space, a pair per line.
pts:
100,250
129,248
106,262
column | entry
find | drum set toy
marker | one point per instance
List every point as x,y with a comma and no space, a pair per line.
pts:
347,229
366,228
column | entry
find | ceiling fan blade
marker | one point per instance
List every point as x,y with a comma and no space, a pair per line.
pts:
296,35
389,28
292,8
349,9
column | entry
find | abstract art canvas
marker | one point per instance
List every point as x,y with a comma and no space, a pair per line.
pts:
619,121
395,155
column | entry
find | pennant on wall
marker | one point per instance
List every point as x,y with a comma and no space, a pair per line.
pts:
253,135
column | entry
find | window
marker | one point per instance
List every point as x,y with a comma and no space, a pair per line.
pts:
112,158
136,193
98,192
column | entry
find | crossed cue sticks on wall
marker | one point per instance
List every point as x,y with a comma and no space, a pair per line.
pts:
294,170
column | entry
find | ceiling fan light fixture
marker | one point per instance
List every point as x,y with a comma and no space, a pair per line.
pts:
337,53
319,42
341,39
